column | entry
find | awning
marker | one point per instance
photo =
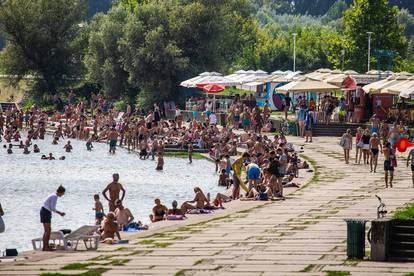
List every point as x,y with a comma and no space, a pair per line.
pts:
307,86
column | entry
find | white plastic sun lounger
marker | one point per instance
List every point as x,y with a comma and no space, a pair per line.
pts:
70,242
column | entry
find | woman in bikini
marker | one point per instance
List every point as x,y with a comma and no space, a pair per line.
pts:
158,212
200,200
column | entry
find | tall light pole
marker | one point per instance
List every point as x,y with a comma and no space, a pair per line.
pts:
294,51
369,50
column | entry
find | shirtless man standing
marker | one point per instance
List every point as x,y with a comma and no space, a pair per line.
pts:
374,146
113,139
114,189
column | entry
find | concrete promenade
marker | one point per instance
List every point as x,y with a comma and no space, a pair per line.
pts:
303,235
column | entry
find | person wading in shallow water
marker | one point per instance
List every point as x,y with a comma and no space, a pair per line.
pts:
48,207
114,189
2,227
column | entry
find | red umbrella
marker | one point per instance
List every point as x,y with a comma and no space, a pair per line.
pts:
213,88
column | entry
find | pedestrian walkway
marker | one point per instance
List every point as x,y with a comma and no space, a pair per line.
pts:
303,235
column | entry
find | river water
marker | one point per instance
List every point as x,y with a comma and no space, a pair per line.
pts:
25,182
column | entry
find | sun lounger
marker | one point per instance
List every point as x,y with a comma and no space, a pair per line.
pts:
56,238
70,242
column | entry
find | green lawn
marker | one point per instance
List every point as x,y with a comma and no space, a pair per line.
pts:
404,213
16,92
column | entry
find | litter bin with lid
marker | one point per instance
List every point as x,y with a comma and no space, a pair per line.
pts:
355,242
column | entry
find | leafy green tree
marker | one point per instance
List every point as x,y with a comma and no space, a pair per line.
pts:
103,58
372,16
168,41
42,40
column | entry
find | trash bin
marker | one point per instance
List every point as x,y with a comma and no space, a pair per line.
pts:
355,242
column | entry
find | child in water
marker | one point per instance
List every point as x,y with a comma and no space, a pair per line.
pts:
99,211
160,163
68,147
224,179
190,153
36,148
9,150
89,145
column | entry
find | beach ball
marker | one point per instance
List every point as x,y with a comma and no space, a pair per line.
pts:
403,144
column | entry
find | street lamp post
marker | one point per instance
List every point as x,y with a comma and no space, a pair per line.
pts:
294,51
369,50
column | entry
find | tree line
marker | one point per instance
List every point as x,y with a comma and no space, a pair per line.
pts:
139,50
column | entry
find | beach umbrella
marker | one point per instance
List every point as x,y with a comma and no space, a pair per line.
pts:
191,83
213,88
216,80
307,85
260,72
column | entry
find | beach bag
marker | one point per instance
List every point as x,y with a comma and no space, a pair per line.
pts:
11,252
342,141
360,144
263,196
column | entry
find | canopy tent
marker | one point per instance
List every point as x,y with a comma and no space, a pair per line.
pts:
307,85
292,76
382,85
336,79
400,88
407,93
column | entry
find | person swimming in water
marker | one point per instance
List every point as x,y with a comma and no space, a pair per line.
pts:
36,149
160,162
68,147
113,139
89,145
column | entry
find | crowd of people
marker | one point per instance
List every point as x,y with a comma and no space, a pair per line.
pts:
370,143
268,163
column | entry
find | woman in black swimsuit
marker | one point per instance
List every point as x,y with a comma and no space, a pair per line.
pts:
158,212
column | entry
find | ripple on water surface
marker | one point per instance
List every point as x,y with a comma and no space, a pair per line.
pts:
26,181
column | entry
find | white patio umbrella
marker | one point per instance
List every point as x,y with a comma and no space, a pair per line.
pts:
307,85
190,83
217,80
